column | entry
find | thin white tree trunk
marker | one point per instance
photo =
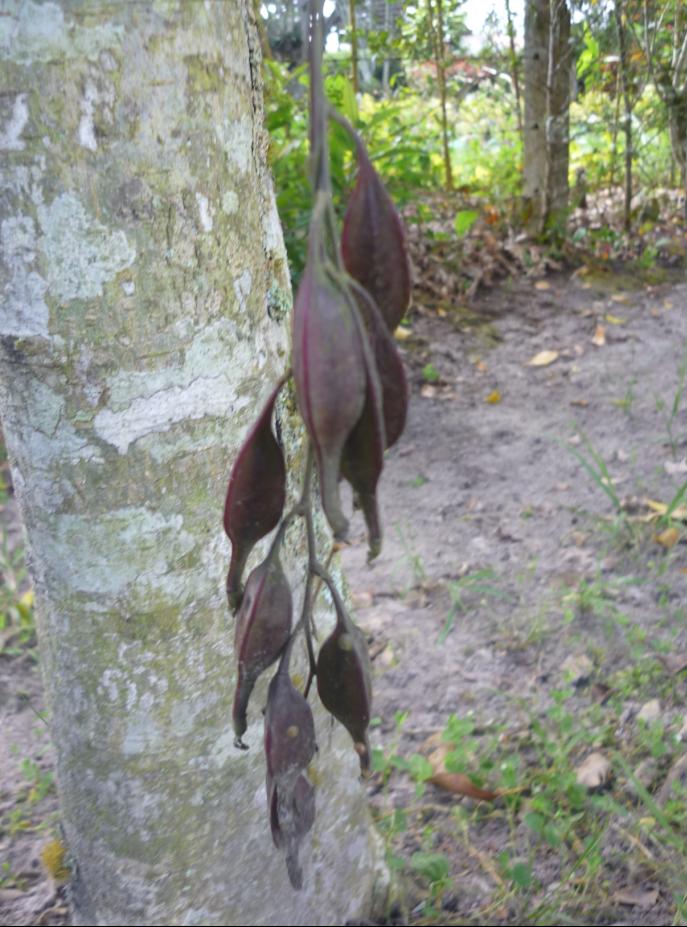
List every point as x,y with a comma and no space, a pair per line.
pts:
144,315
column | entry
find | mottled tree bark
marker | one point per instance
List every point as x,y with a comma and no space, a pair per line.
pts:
558,119
436,28
547,68
624,80
535,68
514,67
354,45
667,63
145,314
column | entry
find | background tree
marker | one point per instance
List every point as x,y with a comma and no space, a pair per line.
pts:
624,79
664,37
548,77
146,305
536,67
558,93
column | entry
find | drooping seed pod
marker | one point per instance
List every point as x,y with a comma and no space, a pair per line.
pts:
291,818
255,495
289,748
373,243
389,365
363,454
343,679
329,369
263,626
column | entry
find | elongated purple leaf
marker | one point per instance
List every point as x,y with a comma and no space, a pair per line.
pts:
263,626
389,367
373,243
329,371
363,455
255,494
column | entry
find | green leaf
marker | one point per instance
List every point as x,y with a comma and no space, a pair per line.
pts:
457,729
464,221
535,822
521,874
395,862
434,867
430,374
350,104
420,768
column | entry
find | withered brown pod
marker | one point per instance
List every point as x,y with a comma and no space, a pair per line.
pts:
343,679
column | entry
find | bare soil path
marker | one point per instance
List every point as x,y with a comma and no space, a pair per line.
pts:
531,600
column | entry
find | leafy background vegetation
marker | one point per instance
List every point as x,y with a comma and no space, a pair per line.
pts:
401,122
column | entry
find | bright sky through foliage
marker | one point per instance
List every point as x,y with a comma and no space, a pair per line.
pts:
476,12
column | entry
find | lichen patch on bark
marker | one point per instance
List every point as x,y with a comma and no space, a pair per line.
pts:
10,133
81,253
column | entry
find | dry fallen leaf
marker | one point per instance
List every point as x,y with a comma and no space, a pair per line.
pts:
427,391
594,772
650,711
615,319
599,336
456,783
675,782
600,692
672,468
582,403
362,599
668,538
660,508
674,662
493,397
620,298
401,333
542,285
636,898
387,657
577,668
543,359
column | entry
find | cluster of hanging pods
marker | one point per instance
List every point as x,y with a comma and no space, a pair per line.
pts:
352,395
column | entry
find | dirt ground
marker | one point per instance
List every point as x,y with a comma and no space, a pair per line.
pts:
515,594
528,602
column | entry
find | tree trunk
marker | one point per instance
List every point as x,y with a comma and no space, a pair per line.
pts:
436,28
145,314
677,120
389,23
536,58
558,119
624,76
354,45
514,68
